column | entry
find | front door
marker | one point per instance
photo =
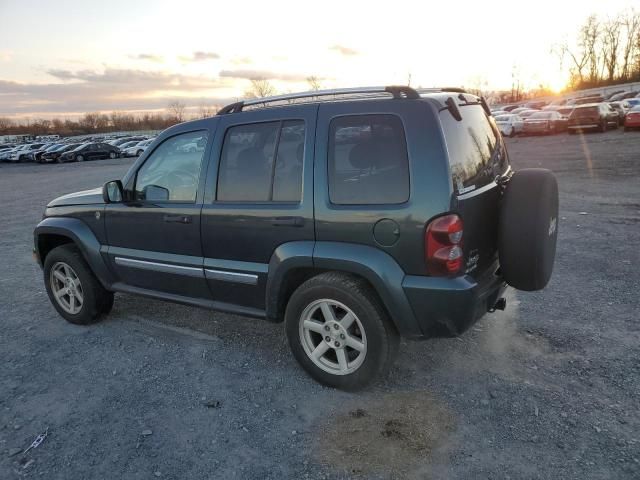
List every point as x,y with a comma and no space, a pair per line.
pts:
258,196
154,237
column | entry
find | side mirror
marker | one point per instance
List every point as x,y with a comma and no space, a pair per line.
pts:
112,192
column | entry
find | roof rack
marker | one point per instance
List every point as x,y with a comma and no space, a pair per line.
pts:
395,91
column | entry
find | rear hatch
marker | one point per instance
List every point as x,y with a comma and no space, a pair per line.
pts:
477,160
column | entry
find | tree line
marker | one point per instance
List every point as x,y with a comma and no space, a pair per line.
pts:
606,51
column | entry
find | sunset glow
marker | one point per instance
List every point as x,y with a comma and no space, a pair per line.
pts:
74,56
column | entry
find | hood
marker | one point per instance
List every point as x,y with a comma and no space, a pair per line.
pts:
86,197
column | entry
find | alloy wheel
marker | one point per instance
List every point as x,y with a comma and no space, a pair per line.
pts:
66,288
333,337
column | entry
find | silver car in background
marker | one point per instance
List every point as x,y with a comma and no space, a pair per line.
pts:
510,124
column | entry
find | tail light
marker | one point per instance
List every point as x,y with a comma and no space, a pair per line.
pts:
443,246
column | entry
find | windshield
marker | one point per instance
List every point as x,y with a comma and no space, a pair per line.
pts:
503,118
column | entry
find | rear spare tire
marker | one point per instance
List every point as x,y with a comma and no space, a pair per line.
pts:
529,229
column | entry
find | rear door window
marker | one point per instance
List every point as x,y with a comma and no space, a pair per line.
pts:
476,155
262,162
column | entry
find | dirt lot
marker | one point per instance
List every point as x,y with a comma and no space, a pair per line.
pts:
550,388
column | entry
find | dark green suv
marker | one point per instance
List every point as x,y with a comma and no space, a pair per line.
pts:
355,216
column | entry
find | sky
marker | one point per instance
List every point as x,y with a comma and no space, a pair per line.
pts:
66,57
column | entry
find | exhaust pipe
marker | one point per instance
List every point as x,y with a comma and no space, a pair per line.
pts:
501,304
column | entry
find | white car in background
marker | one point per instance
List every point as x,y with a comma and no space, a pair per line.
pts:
137,149
510,124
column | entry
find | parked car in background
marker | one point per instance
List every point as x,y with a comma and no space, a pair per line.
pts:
544,123
509,124
518,110
90,151
135,150
37,154
527,113
54,155
5,153
596,116
609,96
495,113
621,107
587,100
632,119
565,111
633,102
120,141
510,108
22,153
536,104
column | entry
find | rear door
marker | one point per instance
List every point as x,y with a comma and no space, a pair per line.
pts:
258,195
477,160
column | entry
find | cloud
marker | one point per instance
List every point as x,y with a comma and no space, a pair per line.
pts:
5,55
241,61
148,57
111,89
200,57
342,50
262,74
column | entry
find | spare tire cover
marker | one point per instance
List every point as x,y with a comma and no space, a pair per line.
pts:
528,229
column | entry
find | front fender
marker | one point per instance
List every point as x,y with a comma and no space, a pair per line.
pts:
82,237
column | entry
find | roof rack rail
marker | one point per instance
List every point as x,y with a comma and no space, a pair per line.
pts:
397,91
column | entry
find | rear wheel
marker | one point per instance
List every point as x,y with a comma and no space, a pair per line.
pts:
112,155
79,158
339,331
528,229
72,287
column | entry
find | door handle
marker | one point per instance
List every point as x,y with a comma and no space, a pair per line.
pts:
287,221
177,219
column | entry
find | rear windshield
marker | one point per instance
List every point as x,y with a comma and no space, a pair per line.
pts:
542,115
585,112
476,155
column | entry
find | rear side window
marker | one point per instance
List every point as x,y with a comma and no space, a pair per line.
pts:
262,162
367,161
476,156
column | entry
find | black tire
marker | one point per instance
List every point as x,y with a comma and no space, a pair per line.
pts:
381,337
96,300
513,133
528,229
112,155
603,126
79,158
139,152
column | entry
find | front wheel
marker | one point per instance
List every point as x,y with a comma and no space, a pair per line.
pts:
339,331
72,287
79,158
112,155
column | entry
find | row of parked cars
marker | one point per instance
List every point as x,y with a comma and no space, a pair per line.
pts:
590,113
75,151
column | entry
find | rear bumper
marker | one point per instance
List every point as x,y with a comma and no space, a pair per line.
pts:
584,126
449,306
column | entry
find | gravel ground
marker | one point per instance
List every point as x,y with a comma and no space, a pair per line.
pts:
549,388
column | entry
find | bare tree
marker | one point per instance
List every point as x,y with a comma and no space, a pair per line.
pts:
314,83
611,31
176,109
206,111
5,124
260,88
631,47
